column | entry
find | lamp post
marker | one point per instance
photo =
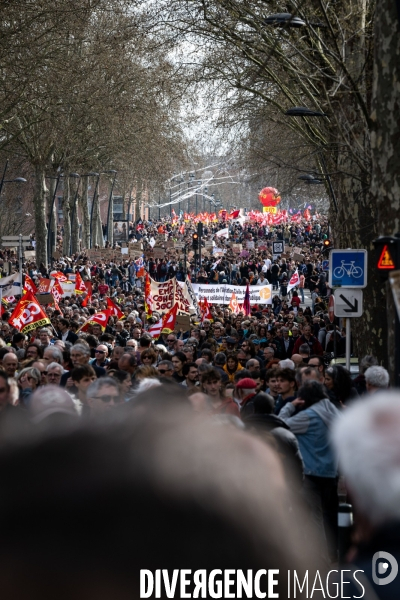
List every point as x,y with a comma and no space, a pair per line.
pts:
197,187
302,111
190,181
18,180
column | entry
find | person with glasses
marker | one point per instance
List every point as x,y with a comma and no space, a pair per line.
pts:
80,355
41,366
100,356
28,380
148,357
103,395
171,339
165,368
54,373
33,351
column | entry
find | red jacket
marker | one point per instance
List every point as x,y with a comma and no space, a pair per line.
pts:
315,346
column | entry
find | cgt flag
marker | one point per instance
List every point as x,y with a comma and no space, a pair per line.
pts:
294,281
166,324
80,287
29,286
234,305
205,310
148,298
115,310
100,318
28,314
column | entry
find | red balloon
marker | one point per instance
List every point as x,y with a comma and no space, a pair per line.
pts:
269,196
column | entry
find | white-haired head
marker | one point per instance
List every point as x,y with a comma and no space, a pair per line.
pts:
287,364
146,383
376,378
366,440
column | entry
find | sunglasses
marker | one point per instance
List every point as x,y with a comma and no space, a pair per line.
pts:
99,351
162,371
107,398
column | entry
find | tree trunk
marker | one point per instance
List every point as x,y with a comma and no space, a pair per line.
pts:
110,211
385,142
84,209
75,219
53,225
66,206
39,201
98,239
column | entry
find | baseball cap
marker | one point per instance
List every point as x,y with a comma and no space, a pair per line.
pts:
246,384
49,401
230,340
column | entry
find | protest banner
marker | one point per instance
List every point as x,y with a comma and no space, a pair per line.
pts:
166,294
221,294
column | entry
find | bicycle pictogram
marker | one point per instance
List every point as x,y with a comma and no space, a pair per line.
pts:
350,269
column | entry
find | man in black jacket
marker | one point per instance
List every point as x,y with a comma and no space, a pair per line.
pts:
264,423
64,332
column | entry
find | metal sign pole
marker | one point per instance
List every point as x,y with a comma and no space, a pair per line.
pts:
348,343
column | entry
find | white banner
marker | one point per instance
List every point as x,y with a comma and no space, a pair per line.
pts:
10,286
223,233
221,294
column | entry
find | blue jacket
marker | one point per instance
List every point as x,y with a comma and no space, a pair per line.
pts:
311,427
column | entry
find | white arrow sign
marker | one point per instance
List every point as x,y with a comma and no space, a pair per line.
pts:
348,302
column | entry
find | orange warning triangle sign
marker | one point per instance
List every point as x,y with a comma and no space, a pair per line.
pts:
386,261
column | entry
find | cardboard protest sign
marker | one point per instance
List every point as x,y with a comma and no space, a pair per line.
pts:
182,322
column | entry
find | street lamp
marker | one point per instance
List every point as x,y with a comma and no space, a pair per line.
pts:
302,111
191,179
284,20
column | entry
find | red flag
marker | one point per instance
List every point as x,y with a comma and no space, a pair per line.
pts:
148,298
58,275
233,304
166,324
205,310
115,310
234,214
29,285
80,287
246,302
294,280
169,320
57,291
100,318
28,314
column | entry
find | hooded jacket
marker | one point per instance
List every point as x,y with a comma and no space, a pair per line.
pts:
311,427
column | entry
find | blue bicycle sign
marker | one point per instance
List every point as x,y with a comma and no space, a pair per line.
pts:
348,268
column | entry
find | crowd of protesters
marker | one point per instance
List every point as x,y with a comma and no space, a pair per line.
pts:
267,373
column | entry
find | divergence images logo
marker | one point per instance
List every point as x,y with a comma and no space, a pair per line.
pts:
384,563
